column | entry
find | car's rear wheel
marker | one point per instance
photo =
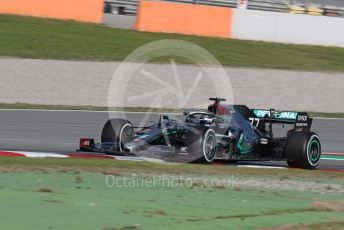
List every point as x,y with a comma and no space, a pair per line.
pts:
303,150
291,163
119,131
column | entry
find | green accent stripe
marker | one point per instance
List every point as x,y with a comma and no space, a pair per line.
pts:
332,157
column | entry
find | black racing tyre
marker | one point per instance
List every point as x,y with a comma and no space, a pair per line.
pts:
291,163
204,149
117,130
303,150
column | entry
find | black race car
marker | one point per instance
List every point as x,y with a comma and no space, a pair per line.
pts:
227,132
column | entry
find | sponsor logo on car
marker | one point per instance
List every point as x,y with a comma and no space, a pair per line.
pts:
302,118
281,115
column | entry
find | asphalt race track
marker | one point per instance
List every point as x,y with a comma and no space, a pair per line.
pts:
59,131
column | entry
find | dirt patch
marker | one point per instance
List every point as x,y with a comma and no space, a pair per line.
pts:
77,179
335,225
195,219
54,201
111,173
131,227
129,211
327,206
45,190
284,177
244,216
316,206
219,186
196,184
276,193
158,212
286,184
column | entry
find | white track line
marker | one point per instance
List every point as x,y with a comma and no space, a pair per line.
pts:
40,154
261,166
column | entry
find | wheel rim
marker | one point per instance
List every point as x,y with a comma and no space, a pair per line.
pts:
125,136
209,147
313,151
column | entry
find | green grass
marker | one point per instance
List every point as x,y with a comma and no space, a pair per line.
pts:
126,109
113,166
28,37
105,194
57,200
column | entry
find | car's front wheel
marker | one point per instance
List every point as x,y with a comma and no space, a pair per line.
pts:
204,149
119,131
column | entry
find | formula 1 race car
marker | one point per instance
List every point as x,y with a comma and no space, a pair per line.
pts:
227,132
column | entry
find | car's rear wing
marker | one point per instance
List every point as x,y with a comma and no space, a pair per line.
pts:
299,119
257,117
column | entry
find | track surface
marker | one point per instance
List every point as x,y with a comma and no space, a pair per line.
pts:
59,131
